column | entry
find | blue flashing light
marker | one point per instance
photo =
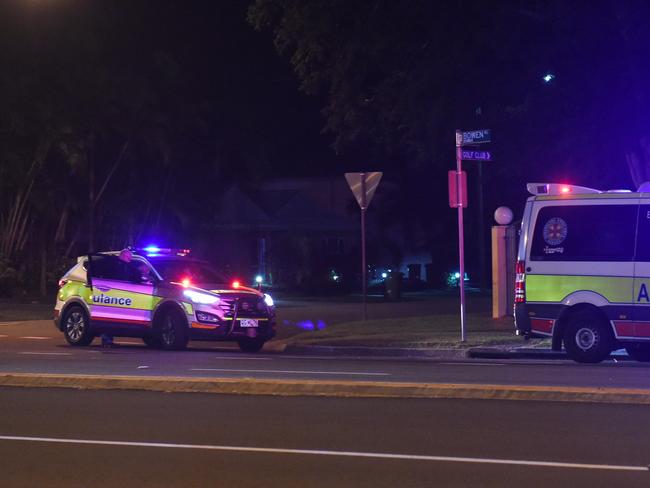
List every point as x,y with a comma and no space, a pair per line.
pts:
152,249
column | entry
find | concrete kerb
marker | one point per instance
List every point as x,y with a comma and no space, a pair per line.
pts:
346,389
363,351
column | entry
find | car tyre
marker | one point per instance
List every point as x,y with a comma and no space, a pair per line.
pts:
76,326
152,341
587,337
251,345
172,331
639,352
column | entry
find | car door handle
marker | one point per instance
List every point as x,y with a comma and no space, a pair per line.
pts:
529,269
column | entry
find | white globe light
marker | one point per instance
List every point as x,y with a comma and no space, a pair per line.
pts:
503,216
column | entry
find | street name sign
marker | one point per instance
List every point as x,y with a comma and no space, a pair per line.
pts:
470,155
470,137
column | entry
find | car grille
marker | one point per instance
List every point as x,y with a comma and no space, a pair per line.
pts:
249,306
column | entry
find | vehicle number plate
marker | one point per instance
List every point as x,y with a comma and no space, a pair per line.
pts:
248,322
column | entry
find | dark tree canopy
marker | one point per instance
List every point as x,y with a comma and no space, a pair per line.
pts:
404,75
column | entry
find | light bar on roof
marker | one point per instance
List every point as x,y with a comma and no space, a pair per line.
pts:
558,189
161,251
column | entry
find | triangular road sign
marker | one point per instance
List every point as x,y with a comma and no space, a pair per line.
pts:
371,184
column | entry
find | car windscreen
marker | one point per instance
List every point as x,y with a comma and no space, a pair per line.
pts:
195,271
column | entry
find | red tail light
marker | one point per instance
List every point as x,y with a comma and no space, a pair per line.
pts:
236,284
520,282
62,283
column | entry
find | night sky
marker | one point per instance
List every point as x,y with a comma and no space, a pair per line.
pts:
148,109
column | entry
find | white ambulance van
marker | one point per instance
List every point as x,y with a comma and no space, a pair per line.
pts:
583,270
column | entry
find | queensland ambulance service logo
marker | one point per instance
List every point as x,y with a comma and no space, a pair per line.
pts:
555,231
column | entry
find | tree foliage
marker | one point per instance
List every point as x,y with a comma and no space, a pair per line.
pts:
406,74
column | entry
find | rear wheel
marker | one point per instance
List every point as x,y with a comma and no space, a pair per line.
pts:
251,345
172,331
76,326
639,352
587,337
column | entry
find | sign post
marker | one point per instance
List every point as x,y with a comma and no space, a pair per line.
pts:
363,186
465,139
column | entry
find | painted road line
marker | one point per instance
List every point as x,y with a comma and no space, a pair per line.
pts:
473,364
224,370
239,358
36,338
46,353
129,343
2,335
319,452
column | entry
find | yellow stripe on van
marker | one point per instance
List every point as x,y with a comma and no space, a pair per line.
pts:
555,288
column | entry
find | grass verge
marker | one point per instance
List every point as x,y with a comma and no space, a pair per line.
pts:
442,331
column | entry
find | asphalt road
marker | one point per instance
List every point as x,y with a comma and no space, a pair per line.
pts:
66,438
39,348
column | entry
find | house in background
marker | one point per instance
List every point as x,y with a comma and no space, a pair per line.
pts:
305,233
293,232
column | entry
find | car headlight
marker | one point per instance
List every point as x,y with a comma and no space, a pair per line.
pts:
198,297
268,300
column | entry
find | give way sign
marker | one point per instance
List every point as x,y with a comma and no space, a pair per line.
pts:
363,181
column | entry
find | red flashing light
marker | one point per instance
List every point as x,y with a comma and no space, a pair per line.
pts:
185,282
565,189
236,284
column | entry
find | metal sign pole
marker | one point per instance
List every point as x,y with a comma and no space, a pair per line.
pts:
363,244
461,244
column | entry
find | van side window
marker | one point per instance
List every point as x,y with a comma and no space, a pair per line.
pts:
643,234
585,233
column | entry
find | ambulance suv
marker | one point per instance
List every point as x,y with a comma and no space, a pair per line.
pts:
163,296
583,270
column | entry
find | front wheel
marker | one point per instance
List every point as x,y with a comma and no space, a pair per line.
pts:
151,341
251,345
587,337
172,331
639,352
76,327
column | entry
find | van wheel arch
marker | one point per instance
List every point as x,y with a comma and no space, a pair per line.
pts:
568,314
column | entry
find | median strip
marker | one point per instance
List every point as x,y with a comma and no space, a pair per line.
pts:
351,389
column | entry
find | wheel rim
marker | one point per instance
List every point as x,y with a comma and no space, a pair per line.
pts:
75,326
168,334
586,338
